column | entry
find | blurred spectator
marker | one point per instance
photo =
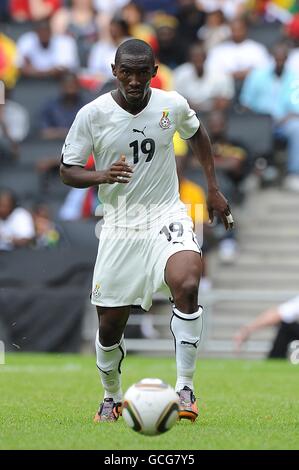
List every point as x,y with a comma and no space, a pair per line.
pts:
8,58
14,127
286,316
292,31
171,51
47,233
164,78
194,197
33,10
16,224
215,30
4,10
281,10
42,54
231,8
58,114
204,89
110,7
133,14
102,53
81,22
274,90
238,55
81,203
190,19
231,161
150,6
230,156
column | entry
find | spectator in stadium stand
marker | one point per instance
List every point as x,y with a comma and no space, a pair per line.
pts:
292,31
110,8
8,56
205,89
231,163
274,90
231,8
45,55
81,22
190,19
58,114
16,224
171,51
151,6
286,317
47,233
215,30
14,127
102,53
33,10
239,55
81,203
4,10
133,14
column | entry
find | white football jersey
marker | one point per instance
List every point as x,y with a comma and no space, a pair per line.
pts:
106,130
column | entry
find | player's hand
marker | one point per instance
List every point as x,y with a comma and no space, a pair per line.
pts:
119,172
217,202
240,337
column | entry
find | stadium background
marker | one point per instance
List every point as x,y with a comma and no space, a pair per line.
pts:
44,287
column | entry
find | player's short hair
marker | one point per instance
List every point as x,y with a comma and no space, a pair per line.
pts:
135,47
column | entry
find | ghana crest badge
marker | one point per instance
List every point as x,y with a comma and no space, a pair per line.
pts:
165,122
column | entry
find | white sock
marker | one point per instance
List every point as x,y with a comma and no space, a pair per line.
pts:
109,361
186,330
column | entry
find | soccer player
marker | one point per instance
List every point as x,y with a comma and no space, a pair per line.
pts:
147,242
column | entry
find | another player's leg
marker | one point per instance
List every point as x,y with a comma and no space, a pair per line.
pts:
182,274
110,351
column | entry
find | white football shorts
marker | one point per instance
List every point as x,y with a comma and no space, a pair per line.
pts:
130,263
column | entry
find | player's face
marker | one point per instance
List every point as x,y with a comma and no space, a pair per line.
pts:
134,74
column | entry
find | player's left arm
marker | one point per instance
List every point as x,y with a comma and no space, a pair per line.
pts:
216,201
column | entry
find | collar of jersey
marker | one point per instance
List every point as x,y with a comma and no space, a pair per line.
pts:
127,112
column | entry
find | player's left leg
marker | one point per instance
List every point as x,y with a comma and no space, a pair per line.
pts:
110,351
182,275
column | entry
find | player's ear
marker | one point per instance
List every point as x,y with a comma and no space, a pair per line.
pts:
155,70
113,69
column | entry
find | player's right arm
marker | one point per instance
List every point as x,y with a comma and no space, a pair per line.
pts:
77,148
78,177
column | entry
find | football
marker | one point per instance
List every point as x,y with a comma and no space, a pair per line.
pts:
150,407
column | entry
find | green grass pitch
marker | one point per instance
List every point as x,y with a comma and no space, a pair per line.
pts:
48,401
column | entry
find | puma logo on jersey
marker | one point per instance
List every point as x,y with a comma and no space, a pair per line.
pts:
140,132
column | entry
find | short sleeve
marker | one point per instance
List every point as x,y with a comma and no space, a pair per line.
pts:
187,121
289,311
78,143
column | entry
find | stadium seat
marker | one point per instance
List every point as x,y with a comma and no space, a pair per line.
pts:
24,182
254,131
47,267
32,151
32,94
267,34
81,233
14,29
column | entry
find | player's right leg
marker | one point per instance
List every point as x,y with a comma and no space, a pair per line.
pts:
110,351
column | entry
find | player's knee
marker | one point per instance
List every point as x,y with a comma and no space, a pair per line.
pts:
186,295
110,331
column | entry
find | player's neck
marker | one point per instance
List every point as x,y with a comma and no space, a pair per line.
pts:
129,107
